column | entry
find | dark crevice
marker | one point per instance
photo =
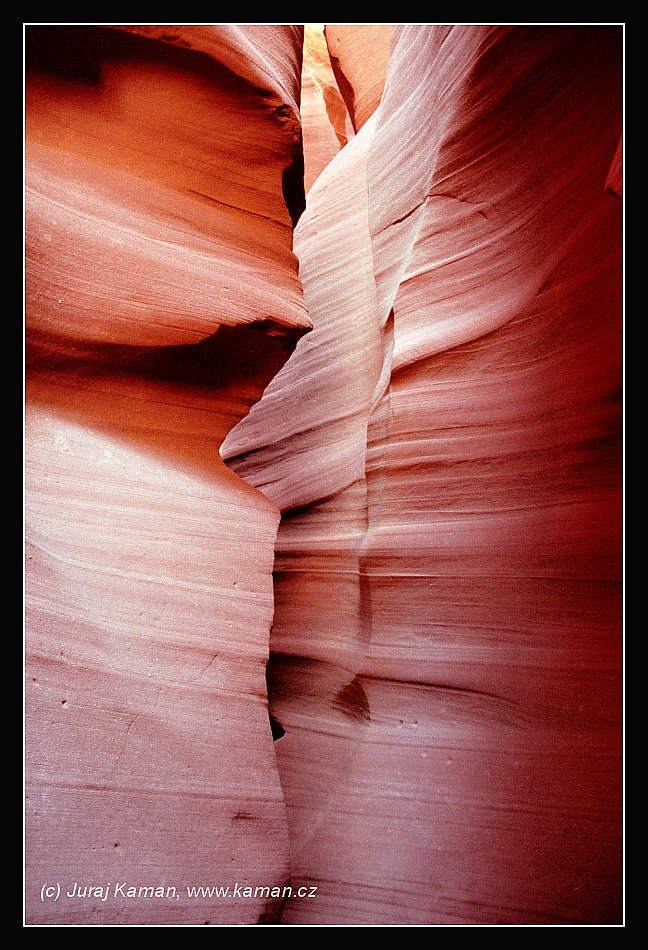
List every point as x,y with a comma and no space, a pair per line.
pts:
229,354
76,59
403,217
292,185
278,731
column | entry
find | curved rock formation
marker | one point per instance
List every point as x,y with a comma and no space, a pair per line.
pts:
360,57
445,448
323,112
162,297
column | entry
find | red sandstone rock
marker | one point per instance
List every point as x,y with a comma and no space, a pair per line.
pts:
444,446
360,56
323,111
614,183
209,237
264,55
446,648
149,590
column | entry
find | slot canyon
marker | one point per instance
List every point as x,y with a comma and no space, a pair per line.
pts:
323,474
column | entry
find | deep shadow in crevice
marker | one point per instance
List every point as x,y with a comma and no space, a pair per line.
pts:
72,53
230,354
278,731
77,54
292,185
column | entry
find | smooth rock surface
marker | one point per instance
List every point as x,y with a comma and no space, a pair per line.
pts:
323,112
360,57
441,605
446,640
162,297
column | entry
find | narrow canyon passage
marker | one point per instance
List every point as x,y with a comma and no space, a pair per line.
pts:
420,376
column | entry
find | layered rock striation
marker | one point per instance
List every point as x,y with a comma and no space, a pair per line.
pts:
439,612
444,447
162,296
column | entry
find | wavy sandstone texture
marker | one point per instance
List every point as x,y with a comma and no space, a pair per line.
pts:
360,57
324,115
444,446
162,297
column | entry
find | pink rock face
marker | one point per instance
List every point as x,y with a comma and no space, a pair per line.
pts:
439,609
446,639
360,57
209,237
160,284
323,112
